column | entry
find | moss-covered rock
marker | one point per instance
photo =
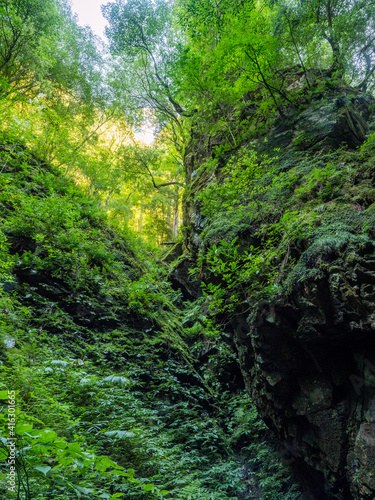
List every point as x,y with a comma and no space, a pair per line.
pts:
307,352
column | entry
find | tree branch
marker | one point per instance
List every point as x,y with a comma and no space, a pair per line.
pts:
156,186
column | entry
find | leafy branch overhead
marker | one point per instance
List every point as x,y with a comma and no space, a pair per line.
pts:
141,32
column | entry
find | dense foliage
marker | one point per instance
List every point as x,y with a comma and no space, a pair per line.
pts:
113,396
123,389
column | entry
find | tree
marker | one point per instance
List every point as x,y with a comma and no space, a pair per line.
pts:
345,27
149,161
141,34
26,36
231,52
42,49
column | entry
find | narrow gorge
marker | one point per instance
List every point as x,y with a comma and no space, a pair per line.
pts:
187,250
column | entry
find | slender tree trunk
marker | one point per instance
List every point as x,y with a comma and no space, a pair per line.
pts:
297,49
175,213
130,200
163,222
108,197
141,219
337,66
169,221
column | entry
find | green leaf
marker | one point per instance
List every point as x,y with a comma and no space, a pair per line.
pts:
118,473
133,480
21,428
48,435
43,468
119,434
83,490
80,463
103,463
148,487
118,380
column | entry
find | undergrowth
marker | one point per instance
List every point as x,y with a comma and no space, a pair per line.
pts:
121,390
273,222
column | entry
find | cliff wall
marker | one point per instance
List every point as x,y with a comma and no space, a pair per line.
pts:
307,351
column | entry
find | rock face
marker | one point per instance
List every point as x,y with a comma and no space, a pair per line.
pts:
327,123
330,121
312,375
308,358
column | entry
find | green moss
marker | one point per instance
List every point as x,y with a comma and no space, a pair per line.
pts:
300,209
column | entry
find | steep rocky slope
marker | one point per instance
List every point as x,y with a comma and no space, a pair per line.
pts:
307,351
118,392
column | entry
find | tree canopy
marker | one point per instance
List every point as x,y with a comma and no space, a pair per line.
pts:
179,65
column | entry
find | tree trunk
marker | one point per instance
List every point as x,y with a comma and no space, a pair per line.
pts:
141,219
175,213
130,200
337,66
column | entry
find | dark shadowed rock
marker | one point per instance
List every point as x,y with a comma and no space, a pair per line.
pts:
308,358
